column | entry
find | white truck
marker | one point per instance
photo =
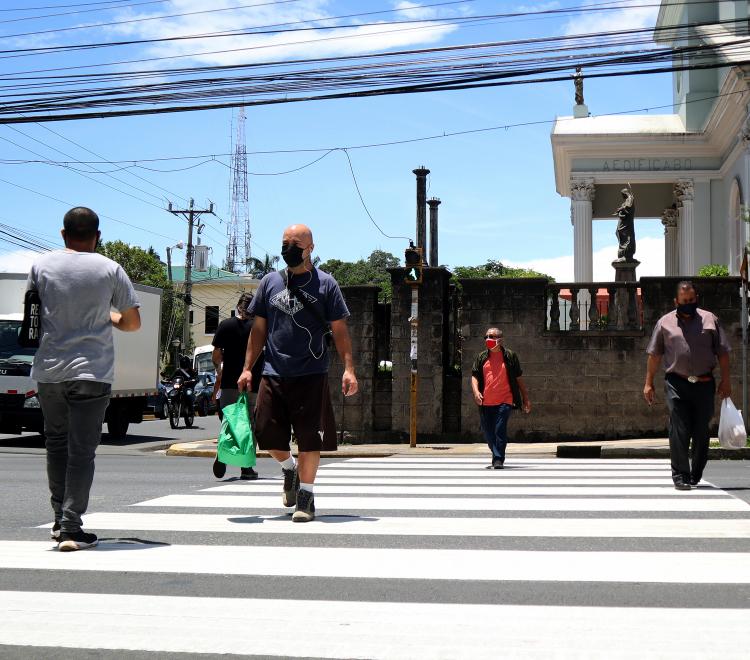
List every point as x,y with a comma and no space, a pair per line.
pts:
136,364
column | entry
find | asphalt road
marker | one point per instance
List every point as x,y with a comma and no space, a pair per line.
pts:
131,482
150,435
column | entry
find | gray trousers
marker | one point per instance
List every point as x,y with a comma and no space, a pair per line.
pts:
691,406
73,417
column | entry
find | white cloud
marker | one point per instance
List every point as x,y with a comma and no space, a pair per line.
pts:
18,261
650,252
269,47
630,18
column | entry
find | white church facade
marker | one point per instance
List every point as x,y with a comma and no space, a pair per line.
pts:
690,168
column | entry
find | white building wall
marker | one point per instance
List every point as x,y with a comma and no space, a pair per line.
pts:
702,210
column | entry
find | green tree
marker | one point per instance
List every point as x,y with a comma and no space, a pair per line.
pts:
495,269
372,270
260,268
145,267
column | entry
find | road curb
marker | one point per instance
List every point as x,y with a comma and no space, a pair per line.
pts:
597,451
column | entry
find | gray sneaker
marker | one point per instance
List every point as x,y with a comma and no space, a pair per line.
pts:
291,486
305,506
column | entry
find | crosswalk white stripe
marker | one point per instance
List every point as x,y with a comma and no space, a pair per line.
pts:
377,630
452,504
481,473
497,489
506,479
697,528
391,563
509,461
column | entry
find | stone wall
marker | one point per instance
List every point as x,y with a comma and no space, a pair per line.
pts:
355,415
583,385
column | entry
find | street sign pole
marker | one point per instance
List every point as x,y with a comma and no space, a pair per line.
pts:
414,322
743,273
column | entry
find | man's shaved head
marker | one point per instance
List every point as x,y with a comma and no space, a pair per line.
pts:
298,234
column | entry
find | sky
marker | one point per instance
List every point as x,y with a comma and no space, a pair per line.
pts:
497,187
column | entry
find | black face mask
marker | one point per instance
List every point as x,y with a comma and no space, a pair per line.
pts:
687,309
291,254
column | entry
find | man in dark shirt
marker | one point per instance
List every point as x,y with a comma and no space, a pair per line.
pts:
691,341
230,345
296,311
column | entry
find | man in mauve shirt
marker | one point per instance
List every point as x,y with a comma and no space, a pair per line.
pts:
498,388
691,341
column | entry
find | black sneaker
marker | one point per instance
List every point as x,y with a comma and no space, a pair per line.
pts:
219,468
681,485
55,532
694,481
497,464
248,474
291,486
79,540
305,506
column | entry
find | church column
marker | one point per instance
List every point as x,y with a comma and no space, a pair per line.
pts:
671,242
685,194
582,192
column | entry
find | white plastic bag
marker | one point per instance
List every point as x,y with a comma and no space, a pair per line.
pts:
732,433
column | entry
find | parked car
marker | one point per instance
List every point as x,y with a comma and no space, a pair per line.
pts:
157,403
204,388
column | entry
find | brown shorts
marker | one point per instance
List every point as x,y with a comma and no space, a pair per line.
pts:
302,404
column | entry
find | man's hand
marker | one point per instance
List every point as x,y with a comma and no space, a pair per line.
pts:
648,393
349,384
725,389
245,383
478,398
527,406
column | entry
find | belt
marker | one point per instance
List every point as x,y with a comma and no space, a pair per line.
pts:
705,378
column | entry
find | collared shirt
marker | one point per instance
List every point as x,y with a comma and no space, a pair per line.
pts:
689,346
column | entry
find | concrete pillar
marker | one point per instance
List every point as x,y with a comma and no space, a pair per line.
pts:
685,194
422,173
671,242
582,192
434,203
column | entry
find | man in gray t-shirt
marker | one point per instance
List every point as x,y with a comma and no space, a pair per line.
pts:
74,365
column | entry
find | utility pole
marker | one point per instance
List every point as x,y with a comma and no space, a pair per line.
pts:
192,215
743,293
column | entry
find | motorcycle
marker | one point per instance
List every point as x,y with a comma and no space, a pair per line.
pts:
181,402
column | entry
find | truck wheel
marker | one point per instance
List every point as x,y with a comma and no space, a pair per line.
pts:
117,427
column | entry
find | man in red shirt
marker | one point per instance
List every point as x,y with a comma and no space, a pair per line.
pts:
498,388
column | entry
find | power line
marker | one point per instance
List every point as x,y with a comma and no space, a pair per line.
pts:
81,11
121,3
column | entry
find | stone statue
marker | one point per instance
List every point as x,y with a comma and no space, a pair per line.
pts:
578,81
626,226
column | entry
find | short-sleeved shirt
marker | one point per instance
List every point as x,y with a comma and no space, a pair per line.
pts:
496,382
295,343
231,337
78,290
689,346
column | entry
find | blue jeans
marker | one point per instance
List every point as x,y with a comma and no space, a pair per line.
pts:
73,417
494,420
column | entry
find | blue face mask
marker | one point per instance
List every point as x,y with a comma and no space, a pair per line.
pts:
687,309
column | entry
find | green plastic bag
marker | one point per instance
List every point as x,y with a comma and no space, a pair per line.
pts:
236,444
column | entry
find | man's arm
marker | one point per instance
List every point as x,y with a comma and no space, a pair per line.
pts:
126,321
478,398
349,385
652,366
524,394
217,357
254,347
